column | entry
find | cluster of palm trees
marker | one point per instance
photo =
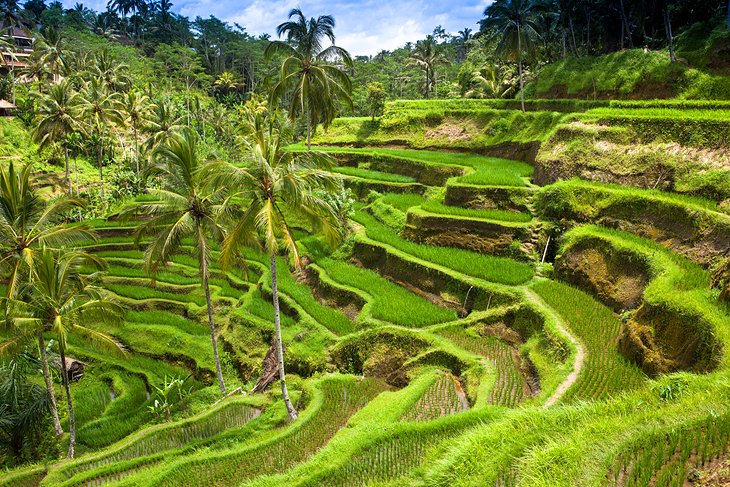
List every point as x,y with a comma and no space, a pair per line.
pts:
254,204
51,287
222,207
427,56
90,106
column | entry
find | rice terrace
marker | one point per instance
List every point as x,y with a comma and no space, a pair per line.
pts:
240,245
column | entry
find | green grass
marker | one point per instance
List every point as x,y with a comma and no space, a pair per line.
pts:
328,317
164,318
486,170
404,202
666,112
165,437
336,399
121,417
388,301
550,105
442,398
583,195
678,287
616,73
141,293
606,372
494,269
438,207
373,175
576,444
509,389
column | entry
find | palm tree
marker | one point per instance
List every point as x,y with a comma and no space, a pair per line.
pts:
122,7
280,188
427,56
187,206
104,25
162,123
227,82
25,407
27,223
486,83
64,301
136,108
462,41
308,67
114,74
48,51
514,21
56,119
100,108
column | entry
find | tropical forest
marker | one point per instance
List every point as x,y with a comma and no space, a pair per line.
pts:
304,247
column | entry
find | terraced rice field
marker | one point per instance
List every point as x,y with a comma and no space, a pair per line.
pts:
427,400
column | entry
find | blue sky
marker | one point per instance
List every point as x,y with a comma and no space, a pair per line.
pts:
363,27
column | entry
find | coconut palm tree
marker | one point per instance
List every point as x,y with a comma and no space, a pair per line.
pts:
114,74
48,51
515,23
136,108
27,222
63,301
308,68
122,7
187,206
462,41
101,108
279,188
56,119
427,56
162,123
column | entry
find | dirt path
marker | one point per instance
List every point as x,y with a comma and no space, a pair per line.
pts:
580,349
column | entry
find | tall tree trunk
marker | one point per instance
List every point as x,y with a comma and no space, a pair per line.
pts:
519,69
435,83
68,174
428,83
100,154
279,347
49,385
728,14
69,401
625,30
76,170
136,147
668,30
309,129
572,34
211,324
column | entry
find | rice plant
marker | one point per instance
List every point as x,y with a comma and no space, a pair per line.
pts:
606,371
340,398
490,268
443,398
667,457
510,388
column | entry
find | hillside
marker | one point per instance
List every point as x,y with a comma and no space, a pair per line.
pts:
700,71
215,272
450,352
